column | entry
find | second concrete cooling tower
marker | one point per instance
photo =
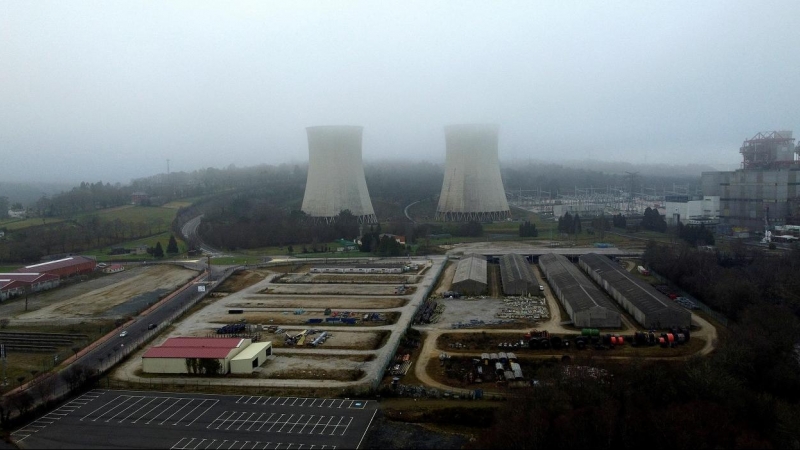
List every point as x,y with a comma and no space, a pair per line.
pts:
472,188
336,175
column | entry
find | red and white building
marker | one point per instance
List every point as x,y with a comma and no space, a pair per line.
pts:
183,354
64,268
19,283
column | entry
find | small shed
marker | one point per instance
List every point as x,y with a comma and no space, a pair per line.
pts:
250,358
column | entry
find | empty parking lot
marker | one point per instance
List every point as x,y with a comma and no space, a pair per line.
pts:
132,419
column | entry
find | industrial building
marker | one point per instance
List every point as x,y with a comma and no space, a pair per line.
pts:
251,358
472,187
586,305
336,175
691,211
64,268
517,276
765,192
471,277
649,307
19,283
183,355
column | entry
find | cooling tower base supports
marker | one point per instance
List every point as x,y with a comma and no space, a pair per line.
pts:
483,216
370,218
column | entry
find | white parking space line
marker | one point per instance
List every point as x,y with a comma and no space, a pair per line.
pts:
347,426
311,431
295,401
337,425
178,410
265,422
128,406
276,422
219,417
306,424
214,402
296,423
178,444
202,402
220,444
326,425
233,443
198,444
244,422
304,402
285,423
188,443
284,402
238,400
98,409
255,421
139,409
233,422
159,413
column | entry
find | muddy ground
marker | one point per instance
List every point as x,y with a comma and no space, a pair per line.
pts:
360,302
332,289
255,316
109,296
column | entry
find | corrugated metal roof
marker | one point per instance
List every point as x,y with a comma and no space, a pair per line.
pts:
202,342
642,295
514,267
28,277
194,347
471,268
252,350
577,289
57,264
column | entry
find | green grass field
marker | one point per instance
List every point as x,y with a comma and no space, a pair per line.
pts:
131,213
19,224
102,254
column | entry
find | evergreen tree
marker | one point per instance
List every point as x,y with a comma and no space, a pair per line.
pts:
172,246
158,251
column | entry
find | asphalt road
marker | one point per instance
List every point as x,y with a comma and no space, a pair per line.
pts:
136,419
107,352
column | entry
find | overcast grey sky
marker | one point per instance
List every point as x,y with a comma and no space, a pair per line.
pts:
109,90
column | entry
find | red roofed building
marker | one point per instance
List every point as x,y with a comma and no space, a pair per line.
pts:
192,355
17,283
64,268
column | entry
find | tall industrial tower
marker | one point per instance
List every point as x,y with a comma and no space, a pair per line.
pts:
472,187
336,175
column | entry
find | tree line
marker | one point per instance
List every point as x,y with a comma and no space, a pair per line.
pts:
746,394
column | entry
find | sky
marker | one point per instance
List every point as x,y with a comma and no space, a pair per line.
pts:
111,90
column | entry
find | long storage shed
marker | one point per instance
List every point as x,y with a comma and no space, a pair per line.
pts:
517,276
649,307
470,277
586,305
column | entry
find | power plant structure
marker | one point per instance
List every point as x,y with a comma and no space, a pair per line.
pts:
472,187
336,175
765,191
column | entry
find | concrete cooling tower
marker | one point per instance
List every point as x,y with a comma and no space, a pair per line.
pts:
336,175
472,188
